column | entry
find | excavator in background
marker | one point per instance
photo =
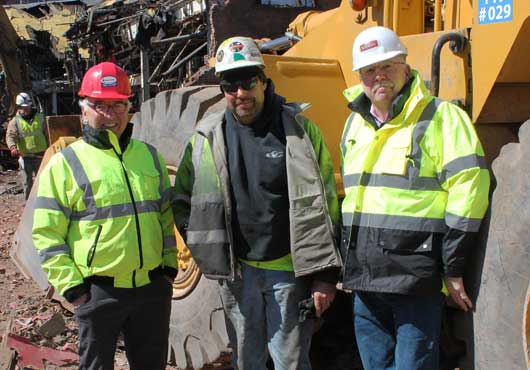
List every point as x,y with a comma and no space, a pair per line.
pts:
473,53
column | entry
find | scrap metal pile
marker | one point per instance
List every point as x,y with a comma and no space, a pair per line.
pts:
164,39
162,44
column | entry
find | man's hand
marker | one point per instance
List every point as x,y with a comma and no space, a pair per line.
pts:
323,295
14,151
455,286
80,300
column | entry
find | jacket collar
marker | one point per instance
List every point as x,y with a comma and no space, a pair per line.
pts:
106,139
409,96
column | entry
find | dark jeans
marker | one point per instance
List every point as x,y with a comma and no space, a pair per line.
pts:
398,332
141,314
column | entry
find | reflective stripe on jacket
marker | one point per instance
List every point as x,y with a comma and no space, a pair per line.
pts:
406,184
104,212
202,200
31,137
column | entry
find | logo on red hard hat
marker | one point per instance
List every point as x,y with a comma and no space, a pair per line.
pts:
369,45
109,81
236,46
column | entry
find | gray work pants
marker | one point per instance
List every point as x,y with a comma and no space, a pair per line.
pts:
31,167
262,309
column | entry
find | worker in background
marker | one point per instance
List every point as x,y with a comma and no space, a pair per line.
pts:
416,189
103,228
26,140
255,197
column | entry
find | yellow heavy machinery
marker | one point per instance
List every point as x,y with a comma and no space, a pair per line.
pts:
473,53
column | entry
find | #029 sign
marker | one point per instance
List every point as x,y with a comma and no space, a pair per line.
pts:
494,11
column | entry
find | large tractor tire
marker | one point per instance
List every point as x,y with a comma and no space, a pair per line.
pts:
197,327
501,321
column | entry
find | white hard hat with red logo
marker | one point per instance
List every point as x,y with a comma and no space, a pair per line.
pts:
237,52
374,45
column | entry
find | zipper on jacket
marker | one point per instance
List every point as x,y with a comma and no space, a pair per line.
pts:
136,218
134,279
92,250
411,160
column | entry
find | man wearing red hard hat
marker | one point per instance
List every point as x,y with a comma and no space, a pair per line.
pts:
104,230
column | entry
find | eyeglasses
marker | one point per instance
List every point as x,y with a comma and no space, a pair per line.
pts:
118,107
232,87
387,67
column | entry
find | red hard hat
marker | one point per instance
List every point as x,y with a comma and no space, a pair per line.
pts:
105,81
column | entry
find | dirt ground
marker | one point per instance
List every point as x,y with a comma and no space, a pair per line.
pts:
24,308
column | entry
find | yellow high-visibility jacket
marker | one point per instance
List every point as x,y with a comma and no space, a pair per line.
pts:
30,138
104,212
416,190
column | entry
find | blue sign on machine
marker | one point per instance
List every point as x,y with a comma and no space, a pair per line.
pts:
494,11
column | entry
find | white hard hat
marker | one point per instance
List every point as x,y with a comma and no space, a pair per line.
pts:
375,45
237,52
24,100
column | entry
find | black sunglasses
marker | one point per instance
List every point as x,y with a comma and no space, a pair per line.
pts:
232,87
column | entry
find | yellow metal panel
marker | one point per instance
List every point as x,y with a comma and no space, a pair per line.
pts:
458,14
316,81
493,45
304,22
454,79
410,18
332,34
333,39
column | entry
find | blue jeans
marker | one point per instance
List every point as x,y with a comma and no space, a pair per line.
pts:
262,307
397,332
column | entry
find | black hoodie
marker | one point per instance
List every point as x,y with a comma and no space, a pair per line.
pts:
258,175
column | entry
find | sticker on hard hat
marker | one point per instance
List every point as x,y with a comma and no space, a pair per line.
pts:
220,56
236,46
109,81
369,45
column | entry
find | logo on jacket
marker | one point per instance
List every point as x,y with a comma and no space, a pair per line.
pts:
274,154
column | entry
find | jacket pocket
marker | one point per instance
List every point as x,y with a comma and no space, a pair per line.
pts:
149,184
312,240
410,253
407,245
92,251
394,153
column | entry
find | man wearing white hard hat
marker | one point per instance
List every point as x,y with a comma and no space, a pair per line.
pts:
26,140
256,200
416,189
